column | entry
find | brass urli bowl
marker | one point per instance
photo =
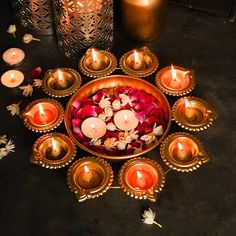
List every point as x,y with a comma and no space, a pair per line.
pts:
111,82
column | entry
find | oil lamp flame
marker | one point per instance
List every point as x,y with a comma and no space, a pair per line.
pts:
94,55
41,110
180,147
60,76
54,144
86,169
136,57
12,76
139,175
80,4
187,104
173,73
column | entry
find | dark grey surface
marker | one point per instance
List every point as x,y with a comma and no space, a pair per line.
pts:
36,201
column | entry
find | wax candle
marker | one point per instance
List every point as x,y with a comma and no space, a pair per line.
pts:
125,120
13,56
93,127
12,78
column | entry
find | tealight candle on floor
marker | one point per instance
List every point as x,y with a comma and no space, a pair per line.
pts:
12,78
13,56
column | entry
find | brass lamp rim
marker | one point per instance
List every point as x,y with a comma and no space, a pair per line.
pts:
65,92
142,194
200,158
142,73
49,127
180,92
97,74
212,114
38,158
83,194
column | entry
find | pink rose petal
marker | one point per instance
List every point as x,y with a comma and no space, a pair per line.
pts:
88,111
76,104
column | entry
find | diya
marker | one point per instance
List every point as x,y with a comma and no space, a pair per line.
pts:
89,177
175,80
142,178
194,114
140,63
97,63
43,115
53,151
61,82
183,152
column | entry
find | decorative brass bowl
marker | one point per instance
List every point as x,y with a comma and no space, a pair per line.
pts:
111,82
199,116
70,82
107,64
93,184
155,173
187,86
148,64
189,158
47,156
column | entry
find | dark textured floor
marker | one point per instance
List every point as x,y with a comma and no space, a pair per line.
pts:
36,201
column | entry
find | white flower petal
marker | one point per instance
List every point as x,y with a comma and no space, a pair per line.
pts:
3,139
27,90
27,38
37,83
111,126
14,108
157,131
11,29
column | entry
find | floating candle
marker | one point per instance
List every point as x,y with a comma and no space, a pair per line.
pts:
125,120
12,78
93,127
13,56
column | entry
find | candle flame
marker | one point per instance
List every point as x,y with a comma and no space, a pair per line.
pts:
80,4
136,57
139,175
54,144
93,127
86,169
125,118
94,55
59,75
12,76
41,110
173,73
13,54
180,147
187,104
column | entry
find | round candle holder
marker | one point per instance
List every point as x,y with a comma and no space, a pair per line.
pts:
189,157
164,81
146,186
146,65
93,183
198,116
51,119
48,156
69,82
104,65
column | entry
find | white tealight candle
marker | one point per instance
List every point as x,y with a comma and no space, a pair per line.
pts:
125,120
93,127
13,56
12,78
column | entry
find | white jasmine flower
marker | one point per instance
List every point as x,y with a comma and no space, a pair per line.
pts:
157,131
11,30
14,108
96,142
108,111
27,90
104,102
102,116
3,139
109,143
116,104
149,218
37,83
125,100
111,126
133,134
148,138
3,153
121,145
27,38
10,146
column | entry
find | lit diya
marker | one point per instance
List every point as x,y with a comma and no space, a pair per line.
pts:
139,63
43,115
53,151
61,82
175,80
89,177
193,113
97,63
183,152
142,178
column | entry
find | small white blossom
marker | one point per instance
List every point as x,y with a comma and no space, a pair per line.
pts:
125,100
104,102
27,38
14,108
111,126
157,131
116,104
148,138
27,90
102,116
121,145
149,218
133,134
37,83
3,139
109,143
96,142
11,30
108,111
10,146
3,153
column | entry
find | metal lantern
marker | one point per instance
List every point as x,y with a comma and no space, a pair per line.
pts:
83,23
